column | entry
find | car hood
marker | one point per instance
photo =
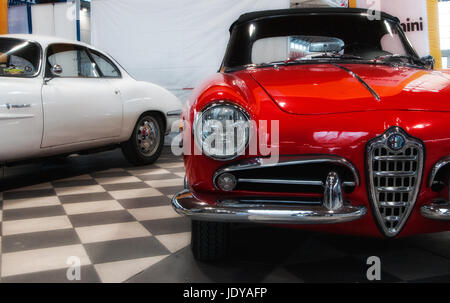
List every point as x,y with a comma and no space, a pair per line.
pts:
332,88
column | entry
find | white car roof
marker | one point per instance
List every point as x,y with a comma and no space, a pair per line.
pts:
45,40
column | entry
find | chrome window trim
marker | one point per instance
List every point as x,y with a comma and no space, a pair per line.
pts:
258,163
381,141
211,105
436,168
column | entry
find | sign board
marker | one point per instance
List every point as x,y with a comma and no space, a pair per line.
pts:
412,15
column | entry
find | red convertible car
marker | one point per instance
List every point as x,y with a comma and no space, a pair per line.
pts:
319,119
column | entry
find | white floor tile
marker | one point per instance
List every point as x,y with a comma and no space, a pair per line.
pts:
181,175
171,165
30,202
76,190
166,183
146,172
175,242
110,232
135,193
38,260
117,272
92,207
153,213
35,225
117,180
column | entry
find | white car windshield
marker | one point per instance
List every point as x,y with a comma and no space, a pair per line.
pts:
19,58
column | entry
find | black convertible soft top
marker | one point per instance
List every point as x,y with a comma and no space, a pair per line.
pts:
304,11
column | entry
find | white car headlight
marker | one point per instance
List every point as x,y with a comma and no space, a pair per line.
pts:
222,131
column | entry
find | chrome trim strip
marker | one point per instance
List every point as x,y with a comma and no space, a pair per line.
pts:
395,174
174,113
413,190
436,211
279,181
395,189
186,204
258,163
277,201
394,158
436,168
357,77
291,182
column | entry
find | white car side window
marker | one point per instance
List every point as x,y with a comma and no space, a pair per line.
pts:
74,61
106,67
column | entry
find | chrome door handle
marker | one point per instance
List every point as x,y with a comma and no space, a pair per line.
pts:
10,106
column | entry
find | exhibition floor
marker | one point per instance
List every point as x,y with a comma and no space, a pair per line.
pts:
117,220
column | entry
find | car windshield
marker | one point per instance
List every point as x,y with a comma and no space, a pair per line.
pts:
323,37
19,58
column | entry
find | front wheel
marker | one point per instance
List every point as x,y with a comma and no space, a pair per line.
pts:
146,143
210,240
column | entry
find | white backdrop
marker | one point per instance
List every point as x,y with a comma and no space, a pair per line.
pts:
173,43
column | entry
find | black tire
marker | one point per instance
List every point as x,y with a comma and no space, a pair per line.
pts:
210,240
132,149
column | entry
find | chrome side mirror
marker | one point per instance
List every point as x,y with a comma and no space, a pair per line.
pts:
428,61
56,70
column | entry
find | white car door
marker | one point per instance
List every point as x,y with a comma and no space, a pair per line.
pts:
20,99
79,104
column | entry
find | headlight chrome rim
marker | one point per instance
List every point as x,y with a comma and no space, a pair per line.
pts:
199,117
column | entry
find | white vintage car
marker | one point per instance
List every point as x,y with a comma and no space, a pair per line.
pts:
59,97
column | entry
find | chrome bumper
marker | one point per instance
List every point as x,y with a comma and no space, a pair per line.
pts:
437,211
186,204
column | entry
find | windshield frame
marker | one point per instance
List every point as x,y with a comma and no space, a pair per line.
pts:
384,17
41,53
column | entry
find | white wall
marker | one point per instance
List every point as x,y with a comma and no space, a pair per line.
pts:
173,43
54,20
444,24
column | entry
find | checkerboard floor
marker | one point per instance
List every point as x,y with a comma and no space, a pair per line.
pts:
117,220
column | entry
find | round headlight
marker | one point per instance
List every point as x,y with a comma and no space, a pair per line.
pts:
222,131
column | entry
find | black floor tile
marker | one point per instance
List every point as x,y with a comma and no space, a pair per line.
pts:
28,194
125,186
182,268
32,213
145,202
103,196
345,269
127,249
109,217
168,226
39,240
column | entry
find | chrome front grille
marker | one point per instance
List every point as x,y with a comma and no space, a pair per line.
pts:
292,174
395,163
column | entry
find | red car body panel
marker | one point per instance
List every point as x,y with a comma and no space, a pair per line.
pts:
322,109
